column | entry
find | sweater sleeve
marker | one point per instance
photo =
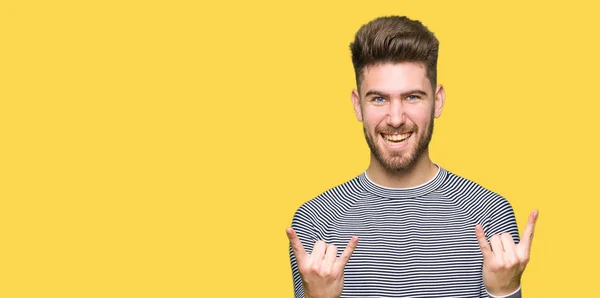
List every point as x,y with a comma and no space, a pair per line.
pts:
500,219
303,224
515,294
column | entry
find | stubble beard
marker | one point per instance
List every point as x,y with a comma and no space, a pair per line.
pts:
397,161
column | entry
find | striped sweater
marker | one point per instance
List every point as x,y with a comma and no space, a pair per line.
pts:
414,242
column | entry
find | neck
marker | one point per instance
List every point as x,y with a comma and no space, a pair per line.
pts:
422,171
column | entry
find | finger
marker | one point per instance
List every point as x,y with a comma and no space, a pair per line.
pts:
497,247
484,245
317,255
329,259
527,237
508,243
347,253
297,246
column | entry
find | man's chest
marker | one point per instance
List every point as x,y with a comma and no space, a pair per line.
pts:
410,251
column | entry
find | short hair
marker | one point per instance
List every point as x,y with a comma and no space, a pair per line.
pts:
394,39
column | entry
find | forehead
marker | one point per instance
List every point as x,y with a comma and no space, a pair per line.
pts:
395,78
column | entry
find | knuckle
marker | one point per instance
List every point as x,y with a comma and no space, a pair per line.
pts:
304,269
335,273
344,257
314,268
511,263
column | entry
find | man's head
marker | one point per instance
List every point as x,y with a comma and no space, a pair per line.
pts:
395,60
394,39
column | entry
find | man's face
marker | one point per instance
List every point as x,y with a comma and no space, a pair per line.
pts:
397,106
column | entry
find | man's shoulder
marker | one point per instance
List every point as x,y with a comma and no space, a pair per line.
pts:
465,187
472,196
334,198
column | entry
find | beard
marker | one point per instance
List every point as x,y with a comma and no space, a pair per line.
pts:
395,161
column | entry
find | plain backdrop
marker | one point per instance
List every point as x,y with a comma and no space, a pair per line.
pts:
161,148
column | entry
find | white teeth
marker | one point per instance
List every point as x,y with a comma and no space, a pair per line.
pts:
397,137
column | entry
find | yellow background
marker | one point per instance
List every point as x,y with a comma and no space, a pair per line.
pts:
160,148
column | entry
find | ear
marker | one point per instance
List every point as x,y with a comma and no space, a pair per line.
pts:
440,98
356,103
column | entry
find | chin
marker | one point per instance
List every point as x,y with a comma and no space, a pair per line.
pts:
399,163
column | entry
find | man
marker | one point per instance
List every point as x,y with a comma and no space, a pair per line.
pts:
424,232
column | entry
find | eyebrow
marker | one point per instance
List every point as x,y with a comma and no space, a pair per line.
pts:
383,94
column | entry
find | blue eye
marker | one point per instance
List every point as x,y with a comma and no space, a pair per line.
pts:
379,99
412,97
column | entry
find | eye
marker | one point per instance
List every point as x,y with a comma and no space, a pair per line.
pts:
412,97
378,99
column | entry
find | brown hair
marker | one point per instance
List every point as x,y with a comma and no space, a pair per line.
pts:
394,39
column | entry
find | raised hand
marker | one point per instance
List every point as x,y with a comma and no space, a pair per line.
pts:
322,271
504,261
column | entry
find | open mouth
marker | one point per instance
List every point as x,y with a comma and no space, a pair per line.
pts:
397,138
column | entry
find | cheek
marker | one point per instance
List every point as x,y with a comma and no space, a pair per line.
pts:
373,117
420,117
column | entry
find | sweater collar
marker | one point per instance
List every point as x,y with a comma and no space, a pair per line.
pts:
403,193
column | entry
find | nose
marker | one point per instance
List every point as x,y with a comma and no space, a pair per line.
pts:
396,115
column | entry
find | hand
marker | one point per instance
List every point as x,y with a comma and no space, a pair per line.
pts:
322,271
504,261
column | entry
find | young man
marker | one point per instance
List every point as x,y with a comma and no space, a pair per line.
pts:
424,232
